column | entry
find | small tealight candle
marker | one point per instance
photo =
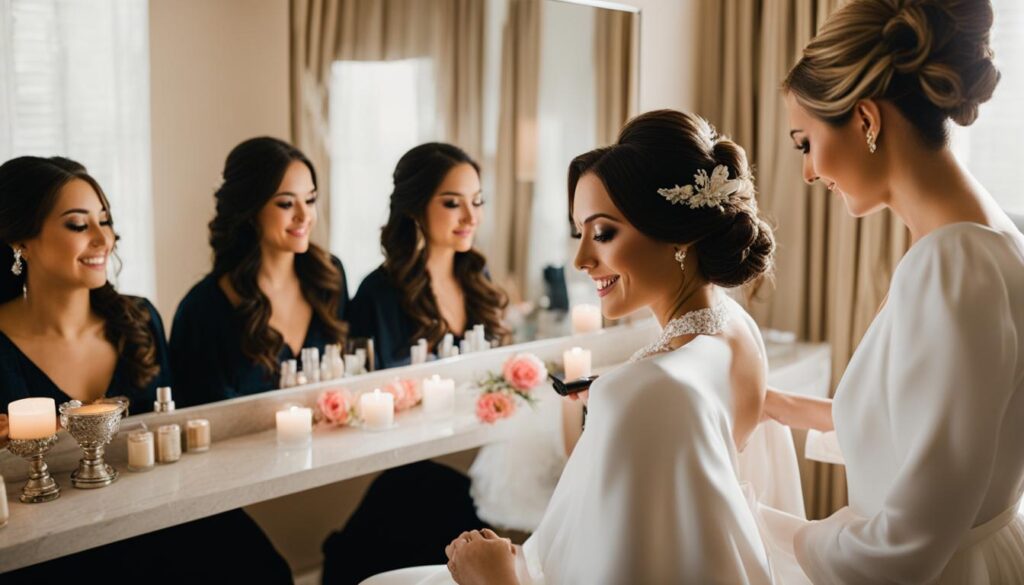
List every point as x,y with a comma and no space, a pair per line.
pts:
168,443
32,418
586,318
197,435
577,363
294,426
438,395
377,409
141,454
93,409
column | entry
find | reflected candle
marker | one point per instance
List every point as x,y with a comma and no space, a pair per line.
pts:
576,362
438,395
586,318
294,426
377,409
197,435
32,418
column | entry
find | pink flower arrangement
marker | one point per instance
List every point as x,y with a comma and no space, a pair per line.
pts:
406,392
524,372
520,374
493,406
336,406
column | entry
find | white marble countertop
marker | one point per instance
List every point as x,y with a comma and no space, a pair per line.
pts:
246,466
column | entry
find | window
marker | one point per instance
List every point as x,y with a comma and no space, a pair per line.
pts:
378,111
991,146
74,82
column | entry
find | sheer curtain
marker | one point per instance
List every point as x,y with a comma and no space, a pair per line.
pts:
74,82
378,111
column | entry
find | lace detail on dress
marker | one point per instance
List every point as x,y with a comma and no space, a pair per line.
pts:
708,321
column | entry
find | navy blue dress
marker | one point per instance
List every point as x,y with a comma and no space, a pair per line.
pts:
376,311
206,346
21,378
145,559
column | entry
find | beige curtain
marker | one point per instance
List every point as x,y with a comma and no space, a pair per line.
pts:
615,51
832,271
517,144
323,31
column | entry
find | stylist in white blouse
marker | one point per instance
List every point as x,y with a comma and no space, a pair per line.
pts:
930,412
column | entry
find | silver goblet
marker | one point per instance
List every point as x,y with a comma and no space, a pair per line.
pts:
40,486
93,426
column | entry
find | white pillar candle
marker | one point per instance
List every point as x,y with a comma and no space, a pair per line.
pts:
294,426
577,363
32,418
141,454
377,409
438,395
586,318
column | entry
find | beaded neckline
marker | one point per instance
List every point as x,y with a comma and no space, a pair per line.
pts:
709,321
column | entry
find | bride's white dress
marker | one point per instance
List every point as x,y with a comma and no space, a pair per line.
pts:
651,494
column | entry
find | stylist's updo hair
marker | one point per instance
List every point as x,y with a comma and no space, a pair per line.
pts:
931,58
666,148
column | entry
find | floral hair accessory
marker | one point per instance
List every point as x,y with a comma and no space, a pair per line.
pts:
706,191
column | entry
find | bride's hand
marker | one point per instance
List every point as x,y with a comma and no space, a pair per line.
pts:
481,557
584,395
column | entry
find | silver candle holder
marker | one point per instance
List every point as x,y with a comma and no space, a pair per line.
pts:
40,487
93,426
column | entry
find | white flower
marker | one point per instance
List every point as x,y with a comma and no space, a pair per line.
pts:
706,191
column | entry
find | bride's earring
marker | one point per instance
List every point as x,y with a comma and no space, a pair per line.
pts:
681,258
18,264
872,146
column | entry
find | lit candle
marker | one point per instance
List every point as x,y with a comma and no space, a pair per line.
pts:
377,409
93,409
577,363
438,395
586,318
32,418
294,426
141,453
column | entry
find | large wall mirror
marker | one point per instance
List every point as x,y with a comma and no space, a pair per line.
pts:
152,94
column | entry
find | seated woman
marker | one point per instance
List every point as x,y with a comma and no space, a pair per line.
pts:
66,333
271,292
432,281
651,493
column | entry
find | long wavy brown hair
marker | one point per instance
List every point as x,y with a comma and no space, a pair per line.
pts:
29,188
417,177
252,173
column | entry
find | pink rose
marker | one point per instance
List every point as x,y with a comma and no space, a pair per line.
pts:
524,371
406,392
494,406
335,406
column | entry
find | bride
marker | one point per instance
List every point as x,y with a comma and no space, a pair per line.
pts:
666,217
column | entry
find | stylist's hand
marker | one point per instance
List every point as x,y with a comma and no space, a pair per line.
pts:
481,557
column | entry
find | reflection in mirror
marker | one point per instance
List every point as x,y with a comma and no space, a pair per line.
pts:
510,86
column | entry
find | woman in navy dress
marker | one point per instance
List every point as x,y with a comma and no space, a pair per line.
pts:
432,281
67,334
271,292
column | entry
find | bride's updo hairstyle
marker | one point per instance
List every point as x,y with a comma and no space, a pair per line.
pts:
664,149
931,58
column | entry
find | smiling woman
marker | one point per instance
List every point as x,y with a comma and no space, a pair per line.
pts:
271,292
65,332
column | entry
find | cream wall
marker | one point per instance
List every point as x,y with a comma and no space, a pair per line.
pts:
219,75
